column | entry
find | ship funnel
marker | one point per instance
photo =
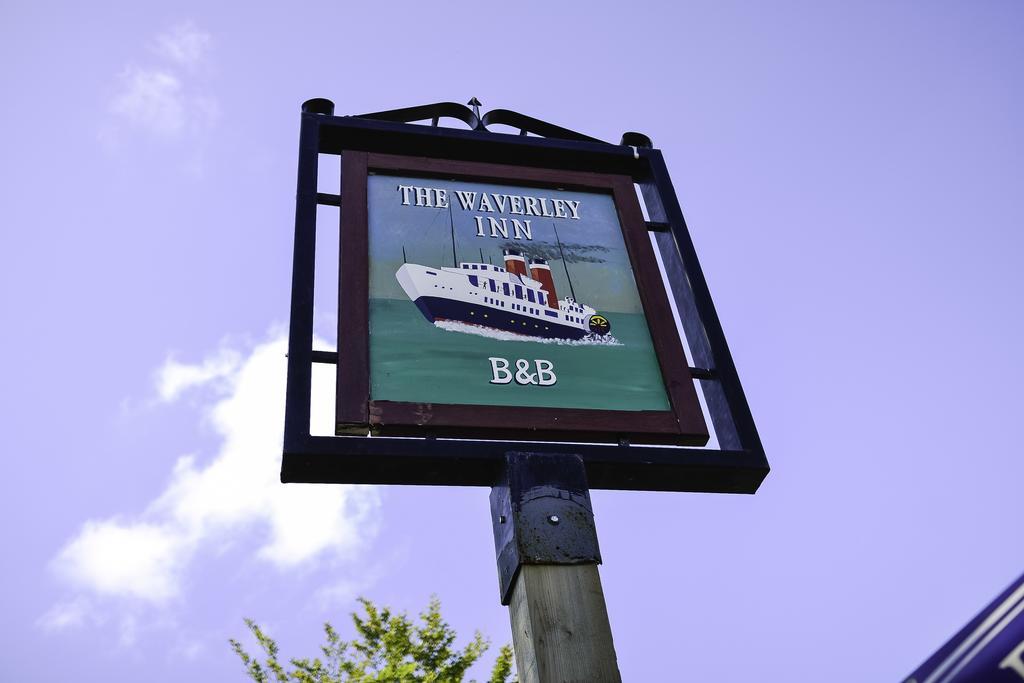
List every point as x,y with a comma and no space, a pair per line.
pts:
541,272
515,262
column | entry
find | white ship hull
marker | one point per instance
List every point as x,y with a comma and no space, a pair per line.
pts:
489,296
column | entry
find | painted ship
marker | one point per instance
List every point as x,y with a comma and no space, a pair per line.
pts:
519,298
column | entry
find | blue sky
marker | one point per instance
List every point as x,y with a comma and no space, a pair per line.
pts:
852,178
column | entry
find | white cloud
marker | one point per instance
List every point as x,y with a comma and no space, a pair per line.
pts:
135,559
341,592
151,99
190,649
174,377
183,44
71,614
145,558
127,630
160,99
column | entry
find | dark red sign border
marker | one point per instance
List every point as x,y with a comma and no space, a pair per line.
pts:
357,413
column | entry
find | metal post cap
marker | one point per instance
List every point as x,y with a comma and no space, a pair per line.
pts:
318,105
634,139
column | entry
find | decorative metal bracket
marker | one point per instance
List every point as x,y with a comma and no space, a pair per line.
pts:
472,118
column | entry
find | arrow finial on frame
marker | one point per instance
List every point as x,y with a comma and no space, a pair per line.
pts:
475,103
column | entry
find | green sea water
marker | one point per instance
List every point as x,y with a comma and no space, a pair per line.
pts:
415,361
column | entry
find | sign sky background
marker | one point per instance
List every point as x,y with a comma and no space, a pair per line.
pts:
605,282
851,175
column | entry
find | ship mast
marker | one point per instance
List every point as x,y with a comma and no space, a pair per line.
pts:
451,221
564,264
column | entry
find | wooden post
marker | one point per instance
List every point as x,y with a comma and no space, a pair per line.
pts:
560,627
546,545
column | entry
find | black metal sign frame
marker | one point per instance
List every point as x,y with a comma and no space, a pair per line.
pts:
737,466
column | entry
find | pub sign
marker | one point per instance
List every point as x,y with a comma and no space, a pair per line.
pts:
503,294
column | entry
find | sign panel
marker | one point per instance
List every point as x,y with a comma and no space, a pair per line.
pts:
504,295
506,302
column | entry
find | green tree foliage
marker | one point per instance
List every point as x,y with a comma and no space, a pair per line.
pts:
389,648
